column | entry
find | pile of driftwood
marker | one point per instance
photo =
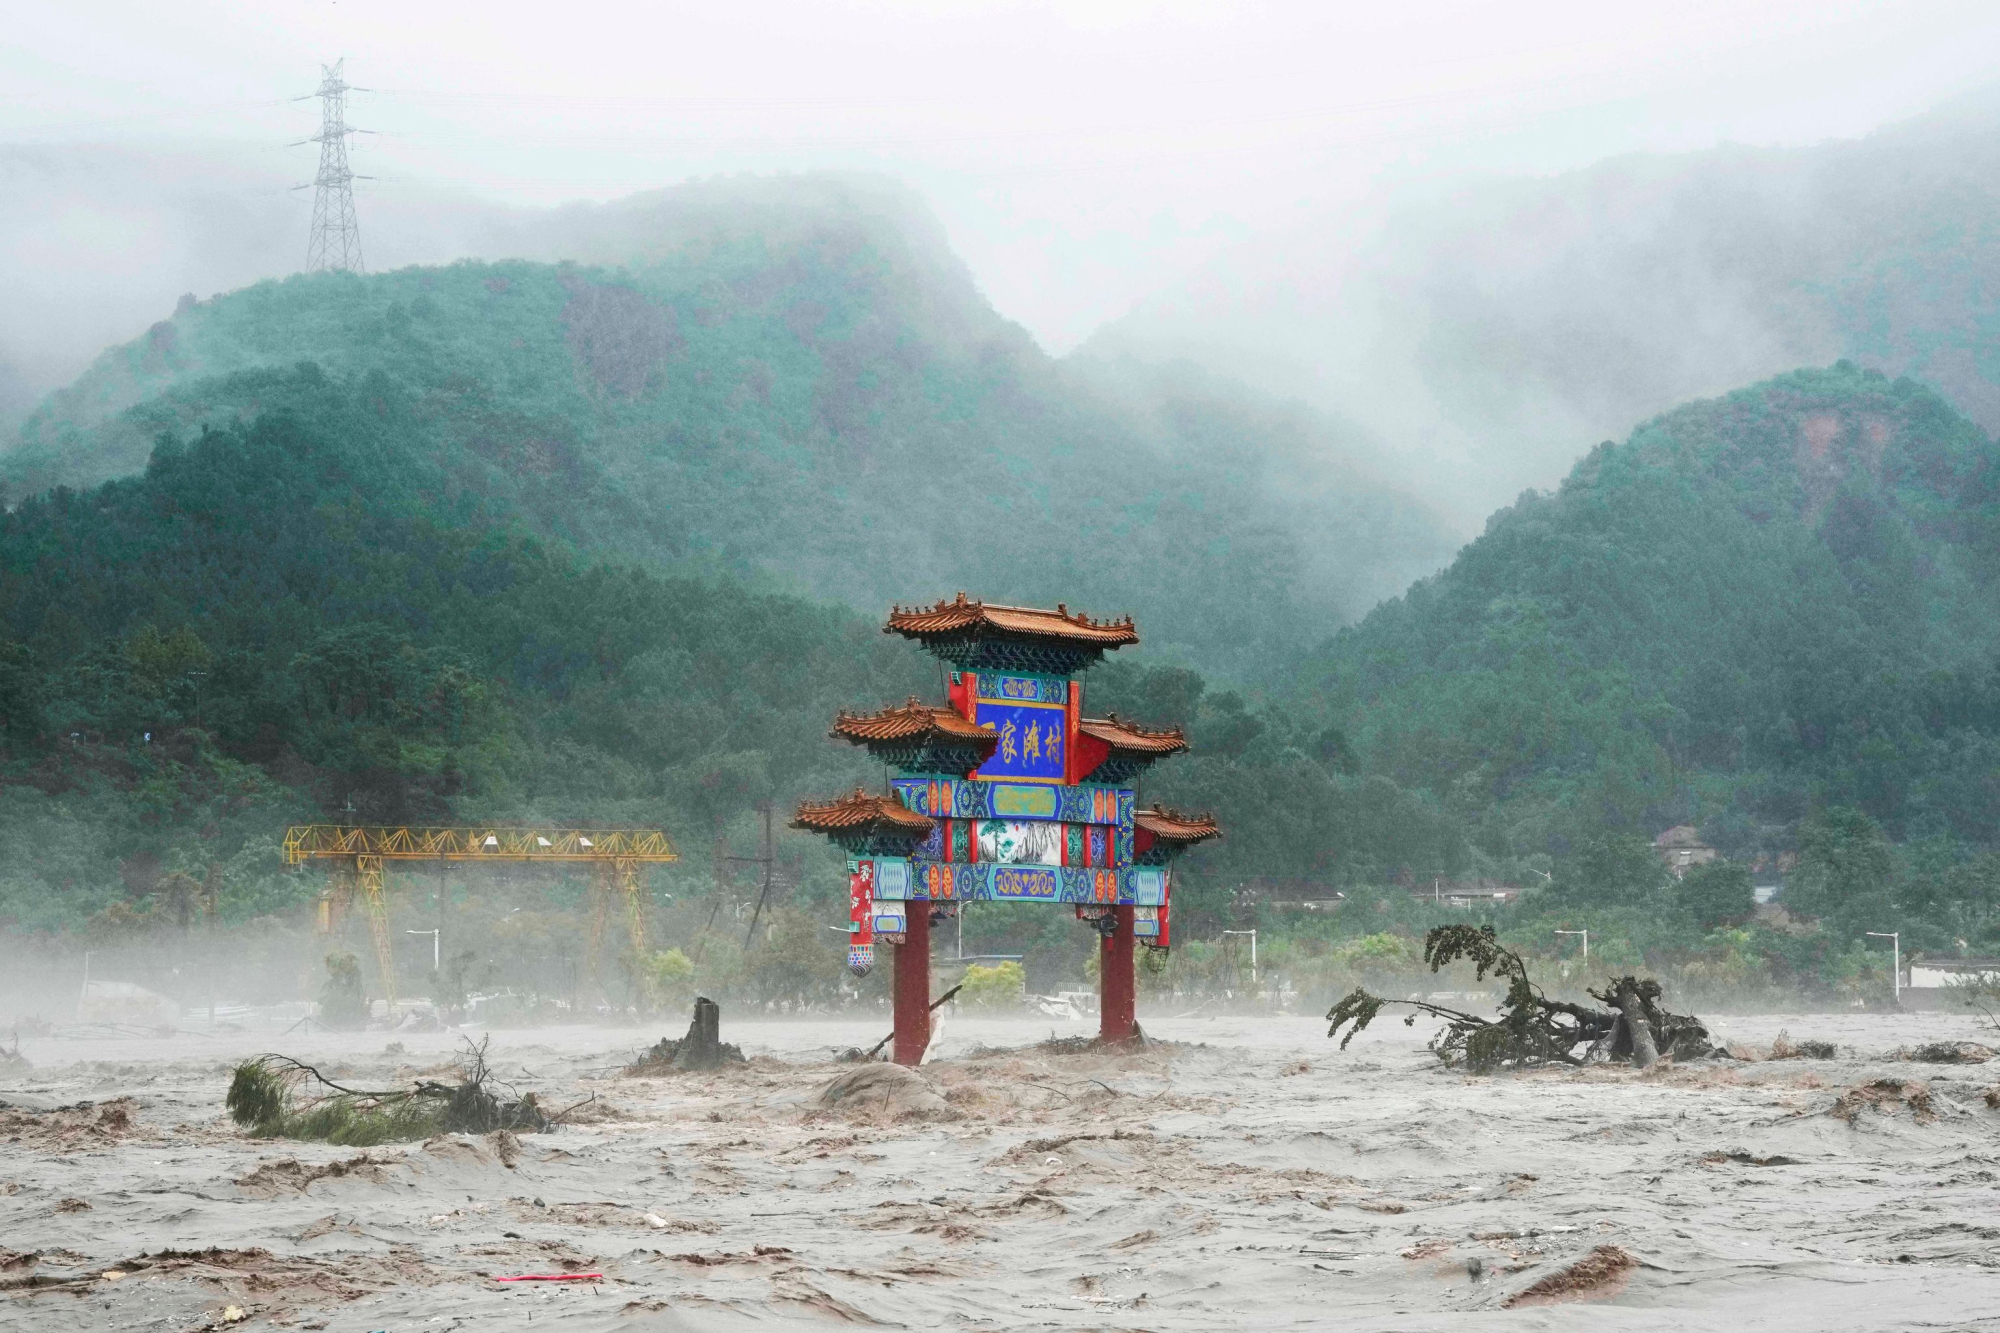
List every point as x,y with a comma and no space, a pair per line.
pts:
275,1096
1531,1028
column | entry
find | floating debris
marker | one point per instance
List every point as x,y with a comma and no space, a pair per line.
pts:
1887,1096
1602,1272
1785,1049
1948,1053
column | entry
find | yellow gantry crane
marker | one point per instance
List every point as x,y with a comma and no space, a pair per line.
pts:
357,854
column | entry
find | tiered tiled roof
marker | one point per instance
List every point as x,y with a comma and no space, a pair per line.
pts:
861,814
919,738
1111,750
1174,828
1126,738
913,721
983,635
957,616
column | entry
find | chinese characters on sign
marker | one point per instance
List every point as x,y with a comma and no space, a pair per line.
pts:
1031,723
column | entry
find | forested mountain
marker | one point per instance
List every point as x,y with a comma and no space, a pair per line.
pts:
1772,614
1483,329
311,615
521,540
795,383
1776,601
298,618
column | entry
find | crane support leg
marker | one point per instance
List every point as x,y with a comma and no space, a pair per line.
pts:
600,908
368,869
635,906
635,924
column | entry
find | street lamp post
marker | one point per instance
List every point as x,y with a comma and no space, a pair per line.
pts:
434,934
83,996
1895,938
1253,952
1586,944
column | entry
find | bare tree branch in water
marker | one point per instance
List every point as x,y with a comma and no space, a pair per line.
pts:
1531,1028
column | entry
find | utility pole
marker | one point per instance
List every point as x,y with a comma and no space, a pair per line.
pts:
335,243
767,860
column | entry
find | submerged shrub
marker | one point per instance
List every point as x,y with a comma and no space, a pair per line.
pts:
278,1097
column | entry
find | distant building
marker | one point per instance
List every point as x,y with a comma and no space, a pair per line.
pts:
1681,848
1765,865
1299,895
1944,973
123,1002
1467,892
1947,983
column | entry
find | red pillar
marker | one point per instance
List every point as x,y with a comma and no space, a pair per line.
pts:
1118,1002
913,986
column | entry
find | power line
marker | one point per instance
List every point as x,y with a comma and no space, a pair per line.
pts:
335,243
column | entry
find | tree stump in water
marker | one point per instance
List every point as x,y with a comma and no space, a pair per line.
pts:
702,1047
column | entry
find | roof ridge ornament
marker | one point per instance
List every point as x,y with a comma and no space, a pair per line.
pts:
976,635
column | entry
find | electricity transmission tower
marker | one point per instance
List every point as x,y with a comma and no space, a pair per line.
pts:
336,234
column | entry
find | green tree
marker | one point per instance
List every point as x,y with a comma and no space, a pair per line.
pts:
341,1001
1846,872
1714,894
1609,869
668,976
1003,985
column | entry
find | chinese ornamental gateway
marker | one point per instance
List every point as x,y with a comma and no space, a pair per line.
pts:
1006,792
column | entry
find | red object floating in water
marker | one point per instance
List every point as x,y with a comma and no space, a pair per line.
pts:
553,1277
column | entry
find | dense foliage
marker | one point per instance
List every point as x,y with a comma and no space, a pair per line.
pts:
308,616
824,409
280,620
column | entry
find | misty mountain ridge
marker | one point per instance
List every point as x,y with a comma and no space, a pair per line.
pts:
1784,597
1481,332
794,381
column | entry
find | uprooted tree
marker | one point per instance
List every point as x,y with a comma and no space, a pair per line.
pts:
1531,1028
276,1096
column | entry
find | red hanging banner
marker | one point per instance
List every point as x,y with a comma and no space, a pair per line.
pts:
860,916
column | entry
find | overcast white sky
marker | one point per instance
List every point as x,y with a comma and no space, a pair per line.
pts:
1082,155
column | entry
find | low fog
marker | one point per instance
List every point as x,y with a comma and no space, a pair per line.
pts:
1303,197
432,684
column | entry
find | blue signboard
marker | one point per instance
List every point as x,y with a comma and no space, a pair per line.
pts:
1031,728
